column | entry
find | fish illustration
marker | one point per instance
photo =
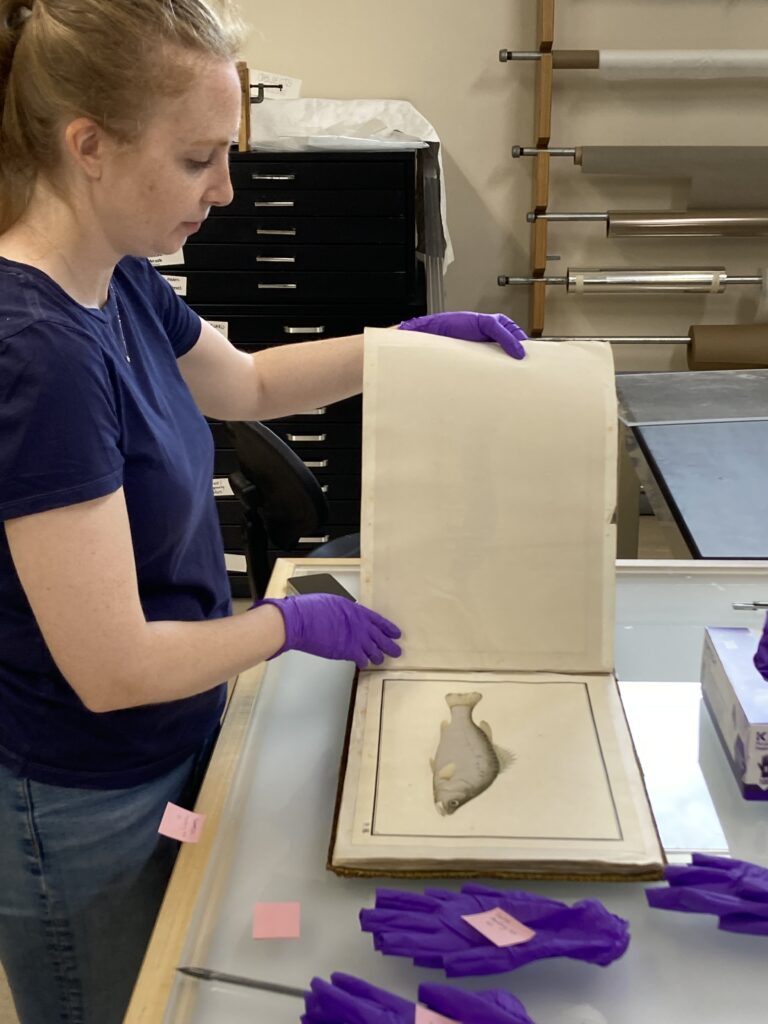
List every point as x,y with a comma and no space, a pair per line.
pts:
466,761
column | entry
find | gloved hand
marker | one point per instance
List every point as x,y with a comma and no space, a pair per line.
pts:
761,655
333,627
350,1000
472,327
429,929
735,890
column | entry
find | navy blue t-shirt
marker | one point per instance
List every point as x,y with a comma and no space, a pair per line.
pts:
92,400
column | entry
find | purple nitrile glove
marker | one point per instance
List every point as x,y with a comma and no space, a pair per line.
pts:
761,654
736,891
333,627
350,1000
430,930
473,327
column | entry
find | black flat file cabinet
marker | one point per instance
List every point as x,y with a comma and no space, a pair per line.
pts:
314,245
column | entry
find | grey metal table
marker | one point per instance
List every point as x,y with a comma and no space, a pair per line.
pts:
697,443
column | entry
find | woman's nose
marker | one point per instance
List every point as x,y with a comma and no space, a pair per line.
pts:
221,192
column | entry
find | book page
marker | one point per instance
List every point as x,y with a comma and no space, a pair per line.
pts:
526,768
489,489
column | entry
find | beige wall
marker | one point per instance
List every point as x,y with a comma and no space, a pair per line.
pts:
441,55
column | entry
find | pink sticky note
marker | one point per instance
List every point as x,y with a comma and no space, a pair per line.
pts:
426,1016
178,823
277,921
500,927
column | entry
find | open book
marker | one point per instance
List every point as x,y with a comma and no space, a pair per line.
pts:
497,744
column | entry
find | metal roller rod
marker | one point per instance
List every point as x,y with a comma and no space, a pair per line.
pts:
712,280
556,218
563,60
672,223
518,151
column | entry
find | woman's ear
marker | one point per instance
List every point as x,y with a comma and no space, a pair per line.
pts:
85,143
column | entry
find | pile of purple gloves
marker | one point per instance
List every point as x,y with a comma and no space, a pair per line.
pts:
429,928
734,890
350,1000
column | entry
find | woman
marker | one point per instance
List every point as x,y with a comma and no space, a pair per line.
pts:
115,620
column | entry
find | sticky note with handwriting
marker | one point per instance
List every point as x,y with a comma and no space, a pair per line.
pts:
277,921
178,823
500,927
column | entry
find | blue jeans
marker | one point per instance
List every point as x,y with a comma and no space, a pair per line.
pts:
82,876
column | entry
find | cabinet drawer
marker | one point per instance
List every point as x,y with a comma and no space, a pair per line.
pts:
327,203
315,174
329,461
340,488
279,230
317,436
295,257
247,286
252,332
230,511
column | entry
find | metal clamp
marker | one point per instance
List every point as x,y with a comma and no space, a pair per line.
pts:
260,87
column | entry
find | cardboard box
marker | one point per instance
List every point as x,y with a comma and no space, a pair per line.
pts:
736,696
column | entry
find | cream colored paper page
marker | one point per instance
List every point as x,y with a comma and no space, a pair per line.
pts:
489,489
568,790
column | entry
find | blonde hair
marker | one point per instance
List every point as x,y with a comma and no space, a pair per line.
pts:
109,60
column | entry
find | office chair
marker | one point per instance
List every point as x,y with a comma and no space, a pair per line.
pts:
282,501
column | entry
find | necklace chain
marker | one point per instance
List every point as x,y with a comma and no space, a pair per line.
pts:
122,333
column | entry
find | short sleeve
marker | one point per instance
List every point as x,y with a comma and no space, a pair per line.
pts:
58,421
182,324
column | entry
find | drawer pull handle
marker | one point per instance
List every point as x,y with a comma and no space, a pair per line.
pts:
275,259
315,540
304,438
315,463
273,202
313,412
303,330
277,231
282,287
273,177
324,488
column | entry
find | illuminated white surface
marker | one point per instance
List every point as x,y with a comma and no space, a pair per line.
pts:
679,968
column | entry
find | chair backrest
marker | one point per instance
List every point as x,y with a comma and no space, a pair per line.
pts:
285,494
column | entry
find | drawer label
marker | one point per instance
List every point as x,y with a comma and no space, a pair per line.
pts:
222,488
222,326
174,259
235,563
179,284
